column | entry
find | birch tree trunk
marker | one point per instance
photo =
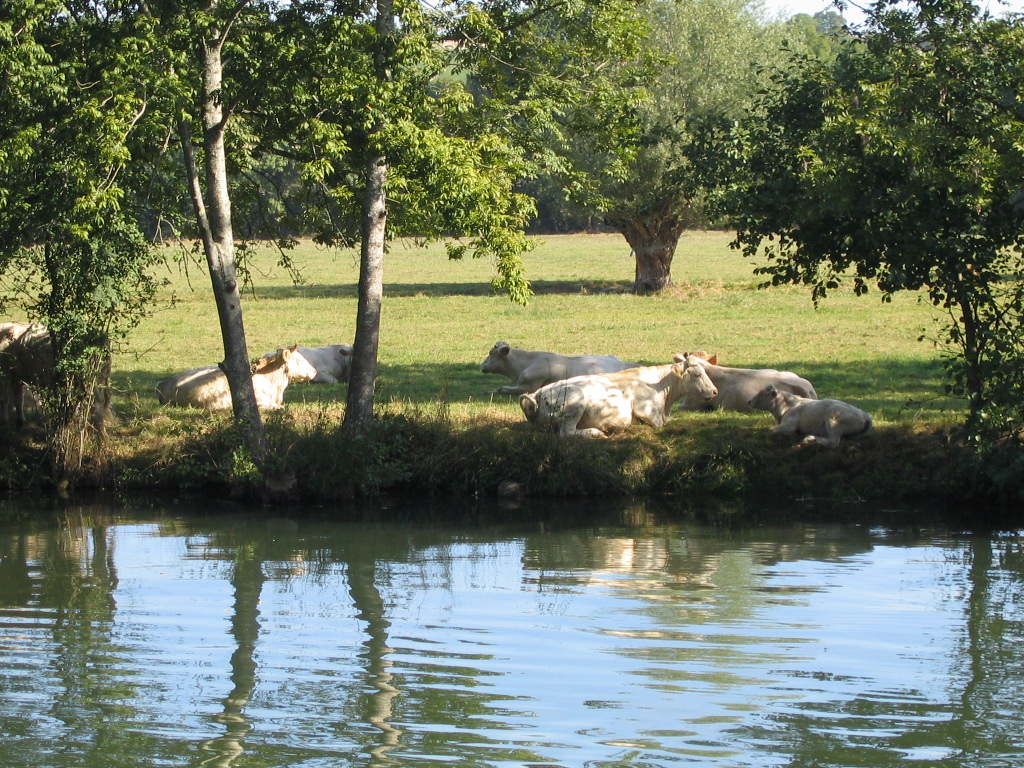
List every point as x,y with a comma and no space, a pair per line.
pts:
361,387
215,229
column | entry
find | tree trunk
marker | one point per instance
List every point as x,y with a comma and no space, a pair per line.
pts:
974,379
359,406
654,245
219,245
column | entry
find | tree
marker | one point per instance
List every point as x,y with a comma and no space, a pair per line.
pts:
213,49
819,35
652,189
69,252
362,97
423,126
900,167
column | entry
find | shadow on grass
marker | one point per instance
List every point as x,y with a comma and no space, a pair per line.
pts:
894,390
405,290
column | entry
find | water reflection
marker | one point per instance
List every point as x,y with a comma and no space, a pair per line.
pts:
622,639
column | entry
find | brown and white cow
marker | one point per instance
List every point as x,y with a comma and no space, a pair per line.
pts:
208,387
824,422
596,404
529,370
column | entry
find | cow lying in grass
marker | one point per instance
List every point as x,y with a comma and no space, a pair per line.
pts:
333,363
594,405
531,370
26,360
824,422
736,386
208,387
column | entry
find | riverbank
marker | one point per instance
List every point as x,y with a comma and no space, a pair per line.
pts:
698,463
440,431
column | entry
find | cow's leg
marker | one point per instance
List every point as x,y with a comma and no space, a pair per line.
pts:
789,424
568,418
832,425
510,390
650,413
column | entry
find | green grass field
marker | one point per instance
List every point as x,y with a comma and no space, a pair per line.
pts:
440,432
440,318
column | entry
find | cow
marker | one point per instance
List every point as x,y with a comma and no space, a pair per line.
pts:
529,371
207,387
26,360
596,404
736,386
27,365
333,363
824,422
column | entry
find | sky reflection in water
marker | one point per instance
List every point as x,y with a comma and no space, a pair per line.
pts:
226,641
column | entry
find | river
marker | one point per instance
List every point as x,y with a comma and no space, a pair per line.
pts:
569,634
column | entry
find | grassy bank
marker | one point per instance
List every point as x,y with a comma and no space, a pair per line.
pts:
439,431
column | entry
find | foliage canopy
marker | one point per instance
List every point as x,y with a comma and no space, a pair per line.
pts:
900,166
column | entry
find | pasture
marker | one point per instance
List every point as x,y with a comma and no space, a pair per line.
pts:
440,431
440,318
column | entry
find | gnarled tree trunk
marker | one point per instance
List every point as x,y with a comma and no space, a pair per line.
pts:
654,245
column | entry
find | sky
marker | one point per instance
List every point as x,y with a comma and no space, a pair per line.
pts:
851,14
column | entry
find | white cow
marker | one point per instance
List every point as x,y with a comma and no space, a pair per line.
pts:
596,404
333,363
208,387
26,366
532,370
26,360
824,422
737,385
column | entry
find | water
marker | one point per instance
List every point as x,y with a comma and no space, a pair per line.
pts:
160,638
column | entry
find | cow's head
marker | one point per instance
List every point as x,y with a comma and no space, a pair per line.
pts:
697,385
495,360
765,399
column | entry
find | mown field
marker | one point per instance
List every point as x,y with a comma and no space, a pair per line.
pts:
440,431
441,317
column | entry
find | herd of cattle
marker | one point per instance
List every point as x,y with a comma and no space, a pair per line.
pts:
592,395
586,395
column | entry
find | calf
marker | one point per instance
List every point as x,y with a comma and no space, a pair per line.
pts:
208,387
821,421
596,404
530,370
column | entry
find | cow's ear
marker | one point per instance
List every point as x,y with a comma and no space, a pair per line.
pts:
714,360
504,348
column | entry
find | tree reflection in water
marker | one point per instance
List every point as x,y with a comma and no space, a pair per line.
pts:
629,638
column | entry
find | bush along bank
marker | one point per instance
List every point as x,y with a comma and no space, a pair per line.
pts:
430,455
